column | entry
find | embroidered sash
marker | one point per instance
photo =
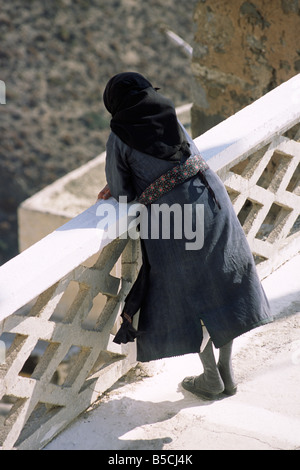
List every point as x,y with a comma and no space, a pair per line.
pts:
178,174
169,180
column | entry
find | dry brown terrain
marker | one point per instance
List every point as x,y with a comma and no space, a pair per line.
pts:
55,59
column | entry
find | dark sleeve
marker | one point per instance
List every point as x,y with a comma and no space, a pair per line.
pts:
117,171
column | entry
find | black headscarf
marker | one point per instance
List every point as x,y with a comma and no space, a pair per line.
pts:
144,119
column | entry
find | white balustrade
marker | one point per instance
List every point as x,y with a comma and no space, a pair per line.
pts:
70,339
256,153
59,352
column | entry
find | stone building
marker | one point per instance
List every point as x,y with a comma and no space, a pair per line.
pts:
241,51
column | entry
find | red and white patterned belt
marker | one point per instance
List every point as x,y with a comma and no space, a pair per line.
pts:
178,174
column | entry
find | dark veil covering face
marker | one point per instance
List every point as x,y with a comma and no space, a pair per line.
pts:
143,118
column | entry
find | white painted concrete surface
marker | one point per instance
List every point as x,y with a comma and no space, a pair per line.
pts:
155,413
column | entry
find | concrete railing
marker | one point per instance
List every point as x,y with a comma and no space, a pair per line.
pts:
59,355
256,153
59,304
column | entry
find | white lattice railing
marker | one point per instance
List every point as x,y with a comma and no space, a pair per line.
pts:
256,153
60,299
66,328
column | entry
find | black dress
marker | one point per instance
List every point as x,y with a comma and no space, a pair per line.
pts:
213,280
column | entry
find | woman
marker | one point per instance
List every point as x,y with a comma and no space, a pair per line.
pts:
215,284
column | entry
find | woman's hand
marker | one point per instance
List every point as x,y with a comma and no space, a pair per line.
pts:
104,193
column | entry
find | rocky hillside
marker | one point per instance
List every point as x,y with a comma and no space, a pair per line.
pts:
55,59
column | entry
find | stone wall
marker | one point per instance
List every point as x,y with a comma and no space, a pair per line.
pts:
241,51
55,59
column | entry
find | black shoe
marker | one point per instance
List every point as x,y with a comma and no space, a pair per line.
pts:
193,384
